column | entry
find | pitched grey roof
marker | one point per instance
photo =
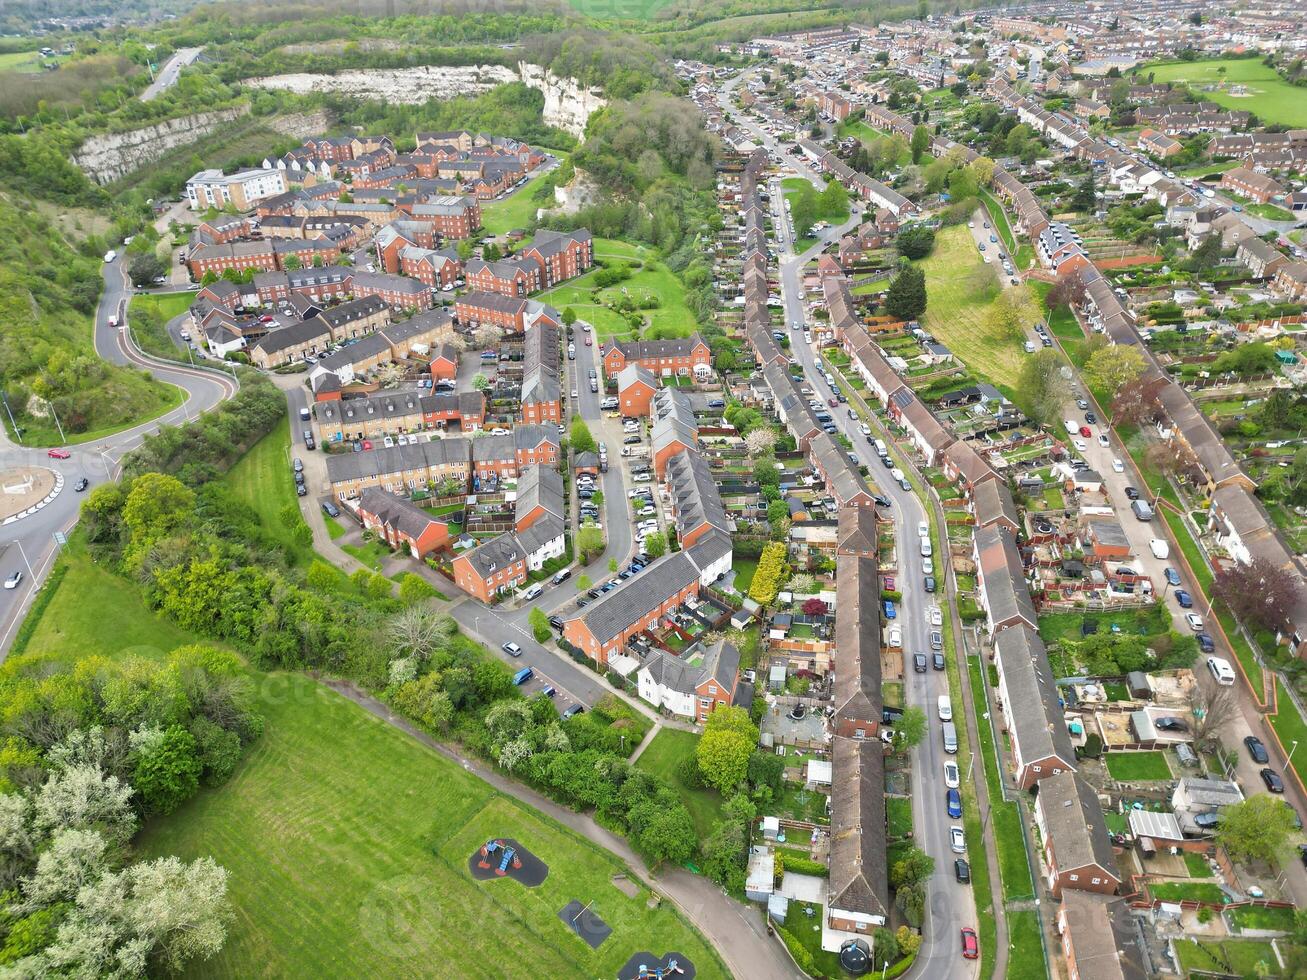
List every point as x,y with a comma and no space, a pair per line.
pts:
541,533
858,872
1002,576
533,436
497,553
675,403
397,459
857,639
401,514
696,499
721,663
1038,726
539,486
635,373
391,405
639,350
306,331
512,305
1073,819
993,502
1103,939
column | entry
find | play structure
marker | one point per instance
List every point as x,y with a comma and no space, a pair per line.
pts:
507,857
646,966
504,857
659,972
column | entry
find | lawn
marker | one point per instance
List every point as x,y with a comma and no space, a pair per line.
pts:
1193,552
1290,727
959,288
744,571
1269,96
1133,767
663,757
346,840
898,811
263,479
672,318
1149,621
1196,865
26,62
517,210
1026,958
1187,891
370,553
869,137
1262,917
169,305
1210,956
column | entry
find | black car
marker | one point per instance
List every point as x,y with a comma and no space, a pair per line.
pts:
1131,493
1274,784
1206,643
299,478
556,622
930,583
937,661
1091,418
882,501
631,440
330,509
301,490
919,662
81,484
962,870
1257,750
1170,723
1302,854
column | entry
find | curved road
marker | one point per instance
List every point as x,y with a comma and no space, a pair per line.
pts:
28,545
168,75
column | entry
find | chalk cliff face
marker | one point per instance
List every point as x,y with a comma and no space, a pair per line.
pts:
568,104
408,86
115,155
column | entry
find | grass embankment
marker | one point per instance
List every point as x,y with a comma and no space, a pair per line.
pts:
652,281
263,479
959,288
663,757
517,210
1264,93
347,841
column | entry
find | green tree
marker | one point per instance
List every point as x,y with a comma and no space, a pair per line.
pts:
915,241
724,749
612,564
906,299
920,142
539,624
1085,199
580,437
167,771
914,867
145,269
663,831
291,262
1256,829
1114,366
1013,310
590,543
584,582
414,589
569,316
1042,387
655,545
803,209
911,728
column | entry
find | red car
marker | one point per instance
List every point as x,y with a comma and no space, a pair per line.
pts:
833,403
1085,431
59,454
588,342
970,944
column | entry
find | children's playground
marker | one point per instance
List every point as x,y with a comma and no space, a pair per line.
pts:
503,857
646,966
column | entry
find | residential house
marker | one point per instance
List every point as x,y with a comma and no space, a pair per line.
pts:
858,895
857,694
1032,713
493,568
1001,583
697,508
1252,185
1077,850
683,356
691,689
401,523
635,390
1099,939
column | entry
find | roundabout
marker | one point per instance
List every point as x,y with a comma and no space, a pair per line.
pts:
24,490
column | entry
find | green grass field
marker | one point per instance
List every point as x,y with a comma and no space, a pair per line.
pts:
869,137
262,478
1130,767
25,62
347,840
662,757
1268,95
958,292
672,318
1242,956
518,209
630,10
169,305
1290,727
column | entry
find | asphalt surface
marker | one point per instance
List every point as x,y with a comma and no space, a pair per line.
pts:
950,906
169,73
29,544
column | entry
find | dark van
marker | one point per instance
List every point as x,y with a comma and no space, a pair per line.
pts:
522,676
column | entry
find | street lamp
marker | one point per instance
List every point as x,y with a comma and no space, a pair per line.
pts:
1295,745
31,574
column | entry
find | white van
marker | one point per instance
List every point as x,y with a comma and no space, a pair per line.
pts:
1159,548
945,707
950,738
1071,427
1221,670
533,592
881,449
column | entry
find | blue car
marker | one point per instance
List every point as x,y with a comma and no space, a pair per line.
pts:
1172,575
954,802
1184,598
889,609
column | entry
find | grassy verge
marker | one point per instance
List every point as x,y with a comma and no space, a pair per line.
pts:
264,480
1290,727
663,757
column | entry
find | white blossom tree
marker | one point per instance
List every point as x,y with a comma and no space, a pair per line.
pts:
82,796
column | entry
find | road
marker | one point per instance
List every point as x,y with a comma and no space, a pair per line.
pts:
170,72
29,544
1246,720
950,905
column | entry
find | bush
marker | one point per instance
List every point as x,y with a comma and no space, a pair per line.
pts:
771,571
802,957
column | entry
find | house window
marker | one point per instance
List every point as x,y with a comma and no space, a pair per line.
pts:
1037,768
1075,877
859,733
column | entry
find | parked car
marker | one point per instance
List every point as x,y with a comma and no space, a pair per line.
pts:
512,649
1195,622
1172,576
1170,723
936,640
1257,750
962,871
957,840
930,583
1206,643
953,803
1131,493
1185,600
970,944
919,662
1274,784
952,776
937,661
330,509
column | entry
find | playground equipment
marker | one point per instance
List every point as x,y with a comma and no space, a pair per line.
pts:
508,856
659,972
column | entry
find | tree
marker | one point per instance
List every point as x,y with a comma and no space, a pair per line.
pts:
414,589
1042,387
1012,311
145,269
1206,255
82,797
760,441
769,574
778,511
1210,708
167,770
612,564
910,729
906,299
885,945
663,831
569,316
1260,593
724,855
1135,403
724,749
803,209
908,940
418,632
1256,829
1113,366
1172,457
982,171
655,545
579,436
915,241
1068,291
291,262
539,624
911,869
480,382
590,543
920,142
1085,198
583,582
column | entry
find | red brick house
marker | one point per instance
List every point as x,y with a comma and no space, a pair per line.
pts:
435,269
444,363
561,255
1252,185
536,445
1098,938
681,356
635,390
260,256
506,312
400,523
492,568
1077,851
507,277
